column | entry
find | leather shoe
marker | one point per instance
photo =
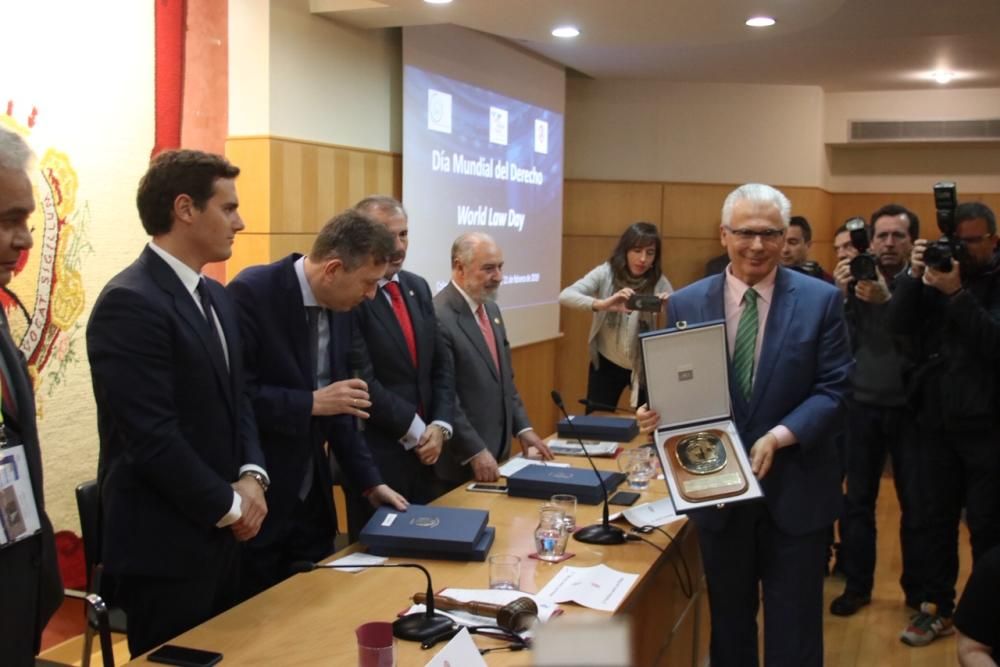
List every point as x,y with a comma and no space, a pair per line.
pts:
849,603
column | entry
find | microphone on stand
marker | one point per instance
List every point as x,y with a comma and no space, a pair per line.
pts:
412,627
604,532
594,405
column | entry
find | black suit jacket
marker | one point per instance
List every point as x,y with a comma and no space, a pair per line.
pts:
488,408
32,588
276,345
397,388
175,424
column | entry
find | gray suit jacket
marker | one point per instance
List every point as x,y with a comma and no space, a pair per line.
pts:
488,409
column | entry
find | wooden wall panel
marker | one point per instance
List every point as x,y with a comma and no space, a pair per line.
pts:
534,375
814,205
311,183
596,208
580,255
253,156
692,210
290,188
684,259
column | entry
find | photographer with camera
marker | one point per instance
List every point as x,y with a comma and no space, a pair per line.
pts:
795,250
879,421
948,310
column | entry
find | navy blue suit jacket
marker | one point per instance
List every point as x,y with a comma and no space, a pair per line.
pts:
397,388
175,423
801,382
276,345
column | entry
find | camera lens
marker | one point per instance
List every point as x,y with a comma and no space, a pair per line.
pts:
938,255
863,268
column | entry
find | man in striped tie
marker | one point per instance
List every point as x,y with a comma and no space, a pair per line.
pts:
788,375
488,408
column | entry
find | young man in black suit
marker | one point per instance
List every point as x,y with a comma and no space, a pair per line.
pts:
297,332
181,472
30,581
400,355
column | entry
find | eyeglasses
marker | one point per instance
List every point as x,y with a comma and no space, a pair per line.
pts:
974,240
744,235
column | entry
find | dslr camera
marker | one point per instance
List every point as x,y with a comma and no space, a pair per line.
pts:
810,268
939,254
863,266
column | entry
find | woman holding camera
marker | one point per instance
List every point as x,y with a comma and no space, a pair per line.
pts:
614,291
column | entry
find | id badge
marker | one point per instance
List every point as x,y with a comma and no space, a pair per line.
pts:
18,513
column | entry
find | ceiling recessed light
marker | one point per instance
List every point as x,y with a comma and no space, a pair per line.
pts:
438,2
565,31
943,76
760,21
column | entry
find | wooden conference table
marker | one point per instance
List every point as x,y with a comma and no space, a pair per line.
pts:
310,618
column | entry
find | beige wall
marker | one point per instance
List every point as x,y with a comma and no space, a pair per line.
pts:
94,102
709,133
301,76
728,133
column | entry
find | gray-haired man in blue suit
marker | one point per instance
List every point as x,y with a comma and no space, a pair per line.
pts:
788,374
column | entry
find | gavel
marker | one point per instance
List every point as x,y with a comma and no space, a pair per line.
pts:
518,615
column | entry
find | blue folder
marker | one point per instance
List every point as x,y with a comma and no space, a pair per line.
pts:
543,481
597,427
430,529
478,553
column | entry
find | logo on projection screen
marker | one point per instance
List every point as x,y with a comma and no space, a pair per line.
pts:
498,126
438,111
45,298
541,136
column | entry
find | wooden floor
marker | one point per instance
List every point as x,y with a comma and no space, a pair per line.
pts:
870,638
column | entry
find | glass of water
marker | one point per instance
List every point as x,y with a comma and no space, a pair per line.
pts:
638,464
567,503
550,535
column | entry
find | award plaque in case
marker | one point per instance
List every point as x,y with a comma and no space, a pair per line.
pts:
704,461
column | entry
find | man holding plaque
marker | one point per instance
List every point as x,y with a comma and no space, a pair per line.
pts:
788,375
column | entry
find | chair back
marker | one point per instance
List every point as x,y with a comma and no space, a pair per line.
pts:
89,506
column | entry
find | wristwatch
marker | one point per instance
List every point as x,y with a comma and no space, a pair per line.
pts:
257,477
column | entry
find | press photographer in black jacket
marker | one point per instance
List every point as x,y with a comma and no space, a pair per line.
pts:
949,319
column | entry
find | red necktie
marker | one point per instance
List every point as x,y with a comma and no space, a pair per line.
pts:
403,315
491,341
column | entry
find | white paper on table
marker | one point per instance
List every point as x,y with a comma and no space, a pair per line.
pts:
546,608
357,559
460,651
657,513
516,463
599,587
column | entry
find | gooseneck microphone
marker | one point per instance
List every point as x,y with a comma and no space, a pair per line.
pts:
415,627
594,405
604,532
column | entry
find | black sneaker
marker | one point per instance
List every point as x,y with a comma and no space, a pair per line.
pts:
849,603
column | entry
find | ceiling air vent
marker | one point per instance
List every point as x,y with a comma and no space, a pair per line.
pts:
987,129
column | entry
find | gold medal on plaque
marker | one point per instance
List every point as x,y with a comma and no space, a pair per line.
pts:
705,466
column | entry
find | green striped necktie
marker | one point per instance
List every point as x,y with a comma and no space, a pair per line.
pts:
746,343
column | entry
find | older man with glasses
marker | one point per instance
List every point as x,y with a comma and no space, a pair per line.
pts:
788,376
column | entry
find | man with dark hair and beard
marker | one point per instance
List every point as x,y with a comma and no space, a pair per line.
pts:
950,322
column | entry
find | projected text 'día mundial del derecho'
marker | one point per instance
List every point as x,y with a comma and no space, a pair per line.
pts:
501,170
